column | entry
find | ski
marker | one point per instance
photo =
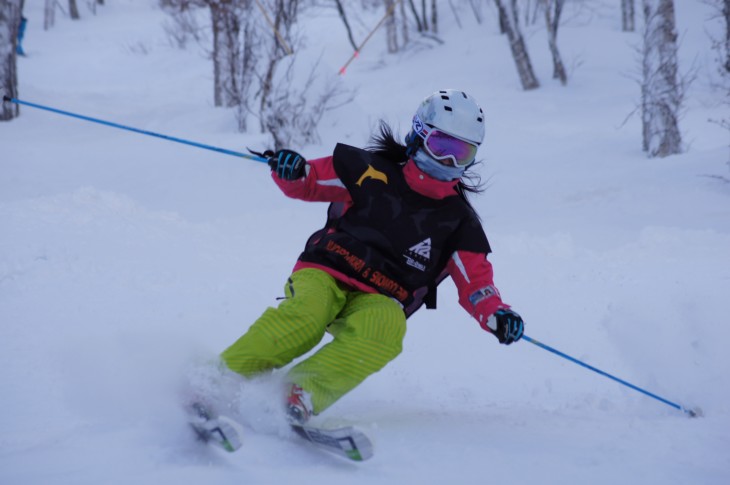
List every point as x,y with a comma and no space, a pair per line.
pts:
222,432
217,430
347,442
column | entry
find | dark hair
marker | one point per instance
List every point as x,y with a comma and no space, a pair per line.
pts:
385,144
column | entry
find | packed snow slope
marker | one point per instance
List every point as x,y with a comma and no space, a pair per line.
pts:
127,263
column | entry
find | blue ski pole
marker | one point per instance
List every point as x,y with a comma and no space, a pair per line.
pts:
135,130
693,413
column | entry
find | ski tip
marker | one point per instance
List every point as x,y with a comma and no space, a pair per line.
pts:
228,434
355,455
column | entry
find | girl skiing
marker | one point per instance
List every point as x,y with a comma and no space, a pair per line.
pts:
399,223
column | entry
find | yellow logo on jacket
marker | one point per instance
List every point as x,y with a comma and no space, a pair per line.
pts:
371,173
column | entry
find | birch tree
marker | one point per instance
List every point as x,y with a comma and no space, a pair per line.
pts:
254,54
553,10
661,91
627,15
396,24
428,22
284,15
509,21
391,27
343,16
725,12
722,48
49,14
93,4
73,10
10,14
227,25
434,17
419,24
226,52
250,54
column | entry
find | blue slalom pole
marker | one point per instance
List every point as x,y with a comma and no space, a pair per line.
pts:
693,413
136,130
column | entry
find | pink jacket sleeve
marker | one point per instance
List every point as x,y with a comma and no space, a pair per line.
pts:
473,275
321,184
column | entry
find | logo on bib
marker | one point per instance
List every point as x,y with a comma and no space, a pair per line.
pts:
371,173
419,255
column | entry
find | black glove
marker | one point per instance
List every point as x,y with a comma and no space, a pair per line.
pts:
288,164
506,325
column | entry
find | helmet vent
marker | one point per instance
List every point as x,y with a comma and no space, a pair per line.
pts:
451,111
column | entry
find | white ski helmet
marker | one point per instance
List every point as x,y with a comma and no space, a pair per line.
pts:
453,112
447,129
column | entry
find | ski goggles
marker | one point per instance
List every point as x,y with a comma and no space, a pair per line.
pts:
442,146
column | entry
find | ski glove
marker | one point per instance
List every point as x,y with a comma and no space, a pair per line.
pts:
506,325
288,164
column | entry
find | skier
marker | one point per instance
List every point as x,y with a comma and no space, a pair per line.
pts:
399,222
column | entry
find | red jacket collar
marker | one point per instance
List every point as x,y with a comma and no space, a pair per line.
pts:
424,184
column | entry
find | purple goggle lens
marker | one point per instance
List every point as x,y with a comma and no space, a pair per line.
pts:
442,146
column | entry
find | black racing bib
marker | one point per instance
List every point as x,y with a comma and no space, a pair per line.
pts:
391,238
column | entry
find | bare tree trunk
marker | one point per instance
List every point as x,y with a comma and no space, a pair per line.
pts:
502,22
49,14
93,3
404,23
391,28
531,19
476,8
510,19
10,15
434,18
248,67
553,10
226,52
73,10
255,71
726,16
661,93
341,11
415,16
424,15
285,14
627,15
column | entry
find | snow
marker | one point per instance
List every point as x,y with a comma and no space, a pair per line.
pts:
127,263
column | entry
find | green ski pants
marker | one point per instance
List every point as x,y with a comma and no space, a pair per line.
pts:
368,331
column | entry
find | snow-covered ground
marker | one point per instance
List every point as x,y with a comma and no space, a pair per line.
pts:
127,263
